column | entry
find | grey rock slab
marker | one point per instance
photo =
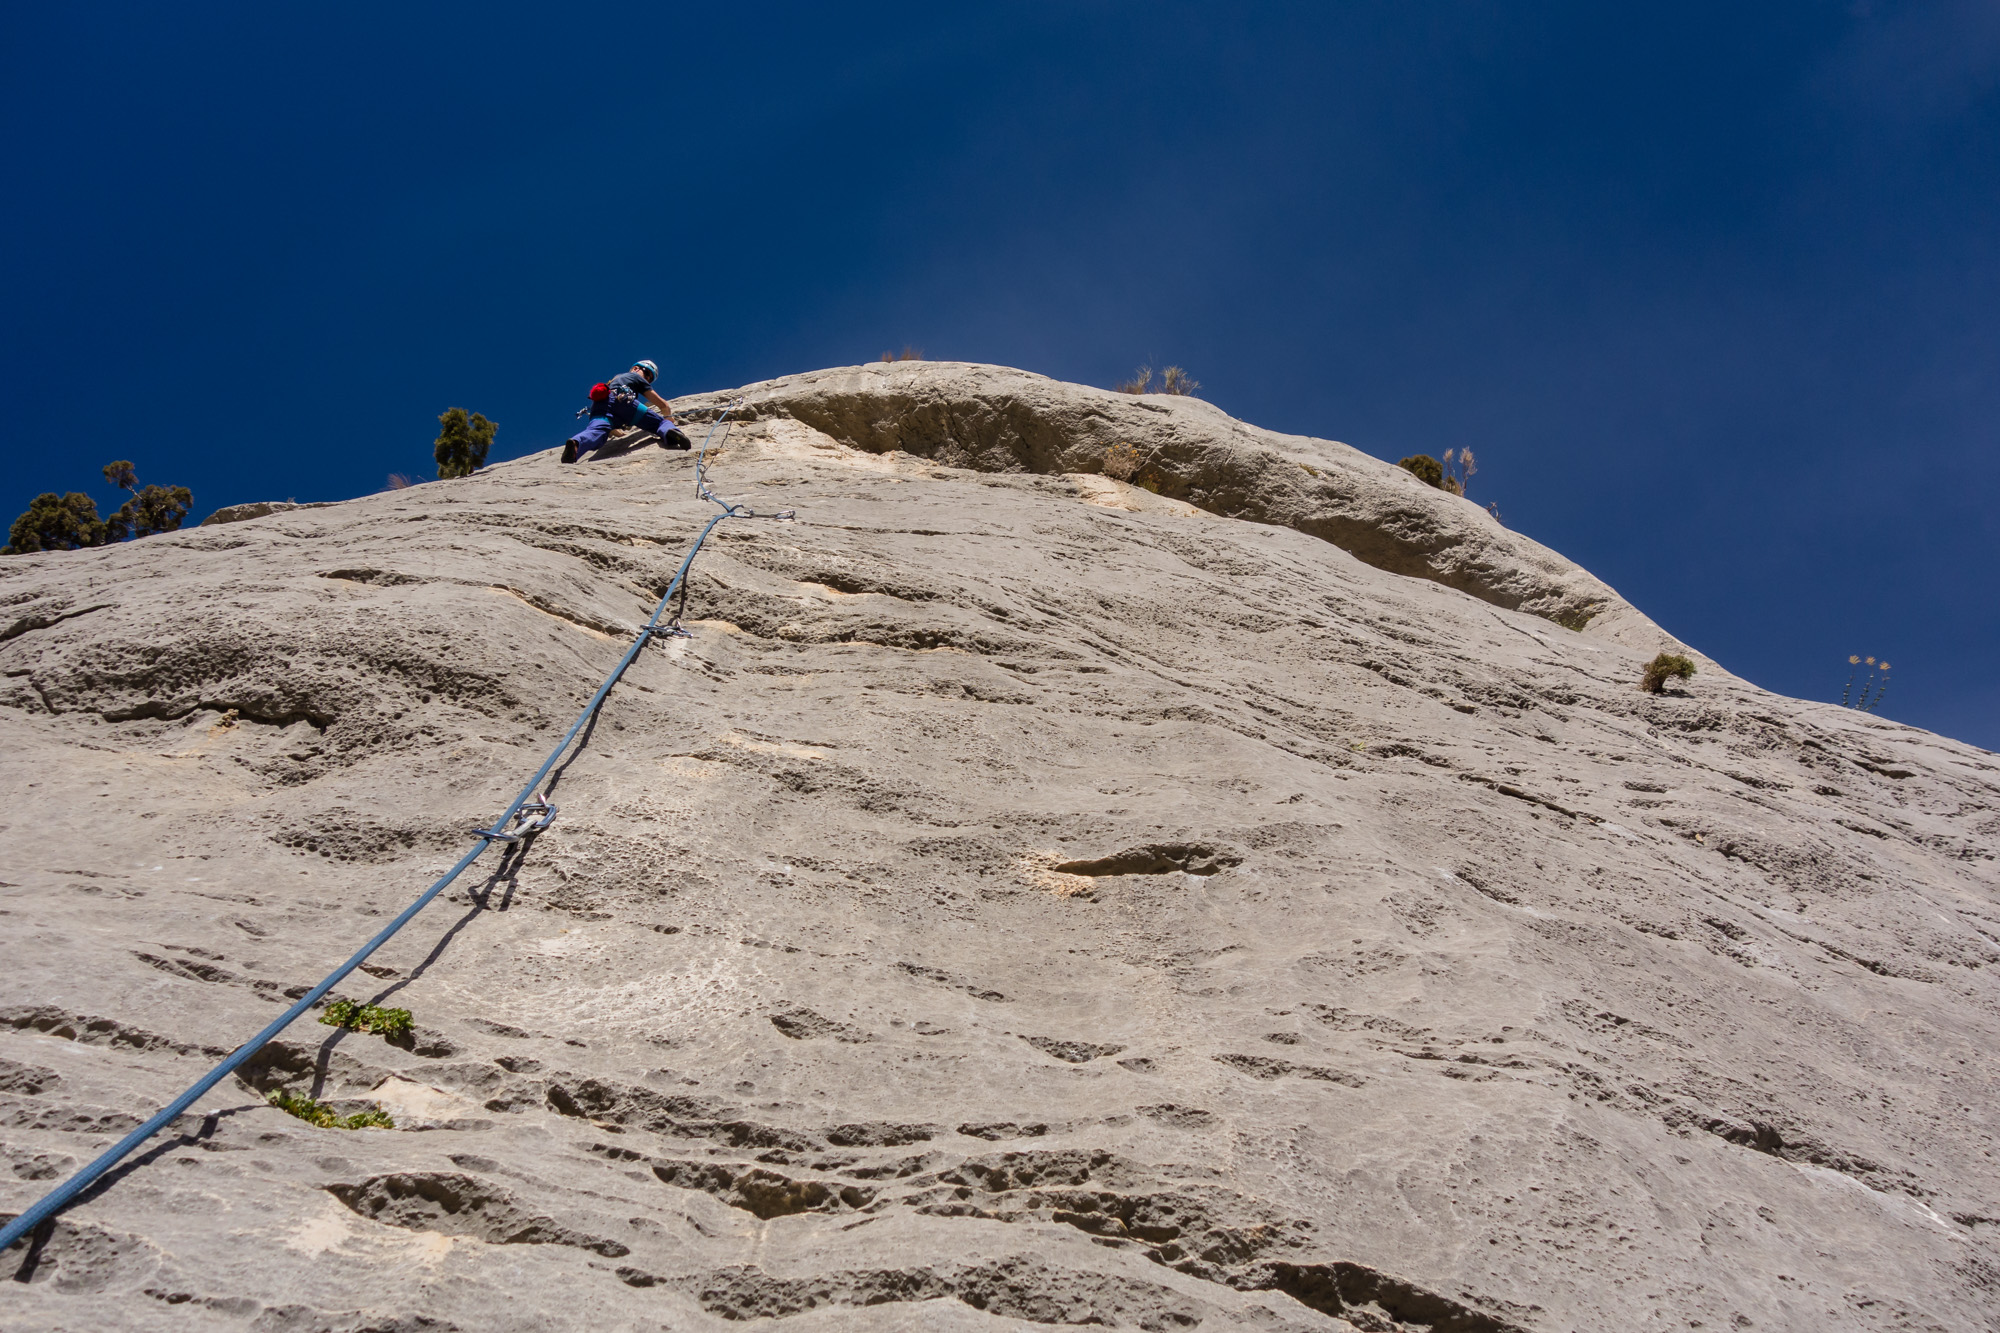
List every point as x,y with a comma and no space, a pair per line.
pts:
259,508
1022,899
999,420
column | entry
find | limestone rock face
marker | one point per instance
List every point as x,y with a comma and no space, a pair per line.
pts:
1024,898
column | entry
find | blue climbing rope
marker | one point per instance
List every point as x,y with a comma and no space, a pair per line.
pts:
504,829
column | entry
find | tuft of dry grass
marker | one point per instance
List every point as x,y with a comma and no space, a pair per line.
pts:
399,481
908,353
1458,468
1173,380
1121,460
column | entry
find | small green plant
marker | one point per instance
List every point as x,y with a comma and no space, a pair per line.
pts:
1425,469
1665,667
1876,671
1121,460
391,1024
462,443
323,1117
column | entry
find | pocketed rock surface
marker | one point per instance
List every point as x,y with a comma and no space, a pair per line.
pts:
1022,899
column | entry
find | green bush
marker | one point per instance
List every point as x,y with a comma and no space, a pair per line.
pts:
391,1024
462,443
1665,667
323,1117
56,523
1425,469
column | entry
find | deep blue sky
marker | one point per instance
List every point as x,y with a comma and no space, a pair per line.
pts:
1713,290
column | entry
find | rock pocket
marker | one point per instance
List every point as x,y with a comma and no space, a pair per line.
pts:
459,1205
1158,858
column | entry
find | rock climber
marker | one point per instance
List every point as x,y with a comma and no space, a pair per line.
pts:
624,401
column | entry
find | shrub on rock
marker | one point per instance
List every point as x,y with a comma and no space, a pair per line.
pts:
1425,469
1121,460
389,1024
1665,667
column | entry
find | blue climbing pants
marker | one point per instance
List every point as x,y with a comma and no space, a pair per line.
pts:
599,429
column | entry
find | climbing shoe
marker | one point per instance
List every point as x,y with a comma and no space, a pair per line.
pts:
675,439
569,451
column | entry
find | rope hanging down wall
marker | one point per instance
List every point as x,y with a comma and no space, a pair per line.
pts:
526,814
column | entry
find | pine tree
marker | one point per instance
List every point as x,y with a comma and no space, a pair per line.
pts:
462,443
152,509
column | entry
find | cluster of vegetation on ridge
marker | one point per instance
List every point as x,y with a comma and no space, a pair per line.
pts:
1173,380
1454,474
1862,701
322,1116
70,522
389,1024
